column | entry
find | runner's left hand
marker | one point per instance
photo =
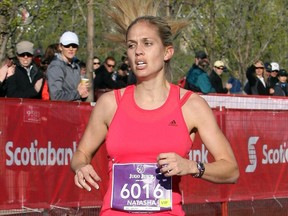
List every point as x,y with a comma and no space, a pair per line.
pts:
172,164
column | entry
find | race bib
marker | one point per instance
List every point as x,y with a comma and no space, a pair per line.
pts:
140,187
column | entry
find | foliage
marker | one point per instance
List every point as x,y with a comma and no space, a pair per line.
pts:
235,31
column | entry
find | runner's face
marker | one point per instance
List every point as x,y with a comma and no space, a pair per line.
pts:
146,52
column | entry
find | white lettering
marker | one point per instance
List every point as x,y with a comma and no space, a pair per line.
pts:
134,176
275,156
199,155
147,176
35,156
9,153
141,203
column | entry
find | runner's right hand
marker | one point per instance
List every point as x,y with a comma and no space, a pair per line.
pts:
85,175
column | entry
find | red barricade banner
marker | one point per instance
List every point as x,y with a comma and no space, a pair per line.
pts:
38,139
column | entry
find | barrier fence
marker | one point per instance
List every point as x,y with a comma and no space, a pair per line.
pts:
38,138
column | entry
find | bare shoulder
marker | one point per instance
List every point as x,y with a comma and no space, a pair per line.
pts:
106,106
196,110
194,101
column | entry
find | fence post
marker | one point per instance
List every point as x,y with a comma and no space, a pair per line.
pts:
224,208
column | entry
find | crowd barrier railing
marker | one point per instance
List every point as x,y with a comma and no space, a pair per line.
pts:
38,139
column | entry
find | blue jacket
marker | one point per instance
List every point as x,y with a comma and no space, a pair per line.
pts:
199,81
236,85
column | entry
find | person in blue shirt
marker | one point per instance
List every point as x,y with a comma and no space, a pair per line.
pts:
197,78
236,83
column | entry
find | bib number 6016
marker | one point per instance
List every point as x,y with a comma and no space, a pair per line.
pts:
136,190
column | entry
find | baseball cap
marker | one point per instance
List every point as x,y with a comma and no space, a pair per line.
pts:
69,38
201,54
24,47
274,66
267,66
282,72
219,64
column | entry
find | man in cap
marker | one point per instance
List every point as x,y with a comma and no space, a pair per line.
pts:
27,80
216,80
63,72
197,78
272,79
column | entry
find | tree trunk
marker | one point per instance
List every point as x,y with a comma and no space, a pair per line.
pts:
90,48
3,37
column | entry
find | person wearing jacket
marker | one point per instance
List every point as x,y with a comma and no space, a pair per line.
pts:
216,80
256,84
281,87
197,78
63,73
106,78
7,69
27,80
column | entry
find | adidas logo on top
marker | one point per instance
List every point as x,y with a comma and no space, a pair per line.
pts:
173,123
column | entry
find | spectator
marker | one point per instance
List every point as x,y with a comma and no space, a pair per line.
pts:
37,57
216,79
281,87
197,78
256,83
96,63
106,77
82,66
267,72
131,79
63,72
27,80
49,55
122,74
236,83
6,70
273,79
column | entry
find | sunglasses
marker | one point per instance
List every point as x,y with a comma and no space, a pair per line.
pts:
220,68
259,67
96,63
25,54
110,65
74,46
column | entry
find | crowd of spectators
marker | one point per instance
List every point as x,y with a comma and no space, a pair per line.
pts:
56,74
261,78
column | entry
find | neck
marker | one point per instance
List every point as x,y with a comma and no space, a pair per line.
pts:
151,96
67,60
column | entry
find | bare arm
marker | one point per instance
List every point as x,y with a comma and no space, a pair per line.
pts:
224,169
91,140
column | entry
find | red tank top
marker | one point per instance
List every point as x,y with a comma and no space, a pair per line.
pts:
136,135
